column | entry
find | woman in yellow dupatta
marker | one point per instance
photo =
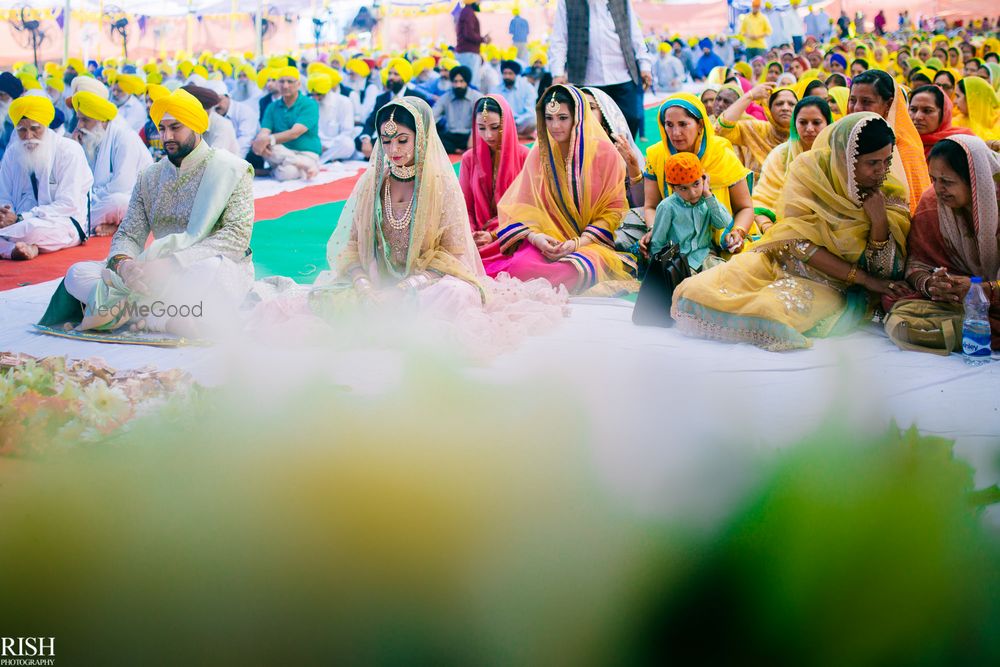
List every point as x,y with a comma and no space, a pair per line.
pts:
684,127
811,116
558,218
841,234
757,136
979,108
837,99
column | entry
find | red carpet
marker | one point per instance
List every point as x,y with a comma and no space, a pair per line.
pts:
46,267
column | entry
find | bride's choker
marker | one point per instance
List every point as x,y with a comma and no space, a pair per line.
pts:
403,173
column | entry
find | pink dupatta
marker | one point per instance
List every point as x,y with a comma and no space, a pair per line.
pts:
476,175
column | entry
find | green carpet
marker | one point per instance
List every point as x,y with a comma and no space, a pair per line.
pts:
294,245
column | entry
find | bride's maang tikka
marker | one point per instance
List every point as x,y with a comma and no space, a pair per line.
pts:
482,114
552,106
390,129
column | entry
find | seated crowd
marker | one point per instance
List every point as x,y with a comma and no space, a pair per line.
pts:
805,193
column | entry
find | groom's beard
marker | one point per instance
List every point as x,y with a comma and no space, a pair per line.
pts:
459,93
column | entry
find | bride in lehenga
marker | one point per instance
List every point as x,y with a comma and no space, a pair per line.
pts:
404,240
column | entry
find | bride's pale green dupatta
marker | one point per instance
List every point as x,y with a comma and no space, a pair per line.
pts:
440,235
222,173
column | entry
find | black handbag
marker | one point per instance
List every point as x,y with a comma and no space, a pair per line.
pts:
666,270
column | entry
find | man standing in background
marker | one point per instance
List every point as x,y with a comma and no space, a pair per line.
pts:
599,43
755,28
469,40
519,31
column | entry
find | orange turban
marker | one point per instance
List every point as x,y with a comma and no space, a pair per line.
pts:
682,169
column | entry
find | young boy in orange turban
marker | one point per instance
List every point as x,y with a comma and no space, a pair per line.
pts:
691,216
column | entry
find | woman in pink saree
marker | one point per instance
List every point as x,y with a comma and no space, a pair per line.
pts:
558,218
490,166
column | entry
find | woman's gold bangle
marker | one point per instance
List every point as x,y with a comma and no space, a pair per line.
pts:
878,245
852,275
636,179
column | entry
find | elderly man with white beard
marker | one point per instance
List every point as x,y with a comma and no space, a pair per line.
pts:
115,154
198,206
44,183
336,117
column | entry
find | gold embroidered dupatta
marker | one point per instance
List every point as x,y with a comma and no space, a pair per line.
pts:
440,235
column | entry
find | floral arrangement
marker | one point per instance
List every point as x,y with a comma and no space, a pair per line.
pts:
57,402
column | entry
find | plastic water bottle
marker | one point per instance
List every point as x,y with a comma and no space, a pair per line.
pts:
976,327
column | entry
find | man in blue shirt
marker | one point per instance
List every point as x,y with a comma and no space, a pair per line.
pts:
289,133
520,95
519,31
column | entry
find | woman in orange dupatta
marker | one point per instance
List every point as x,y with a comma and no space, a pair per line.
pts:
876,91
558,218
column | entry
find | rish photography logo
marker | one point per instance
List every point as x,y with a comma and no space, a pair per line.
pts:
139,310
27,651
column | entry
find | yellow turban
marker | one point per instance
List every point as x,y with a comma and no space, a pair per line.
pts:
403,68
76,64
540,55
92,106
316,67
183,106
422,65
664,47
185,67
200,70
337,59
319,83
225,68
155,91
358,66
56,82
447,64
248,55
288,72
29,81
153,78
266,75
52,68
35,107
131,84
277,62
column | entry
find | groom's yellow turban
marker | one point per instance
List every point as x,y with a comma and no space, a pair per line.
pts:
35,107
92,106
183,106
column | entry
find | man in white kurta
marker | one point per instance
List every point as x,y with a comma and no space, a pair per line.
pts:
245,119
44,183
336,118
198,205
116,156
